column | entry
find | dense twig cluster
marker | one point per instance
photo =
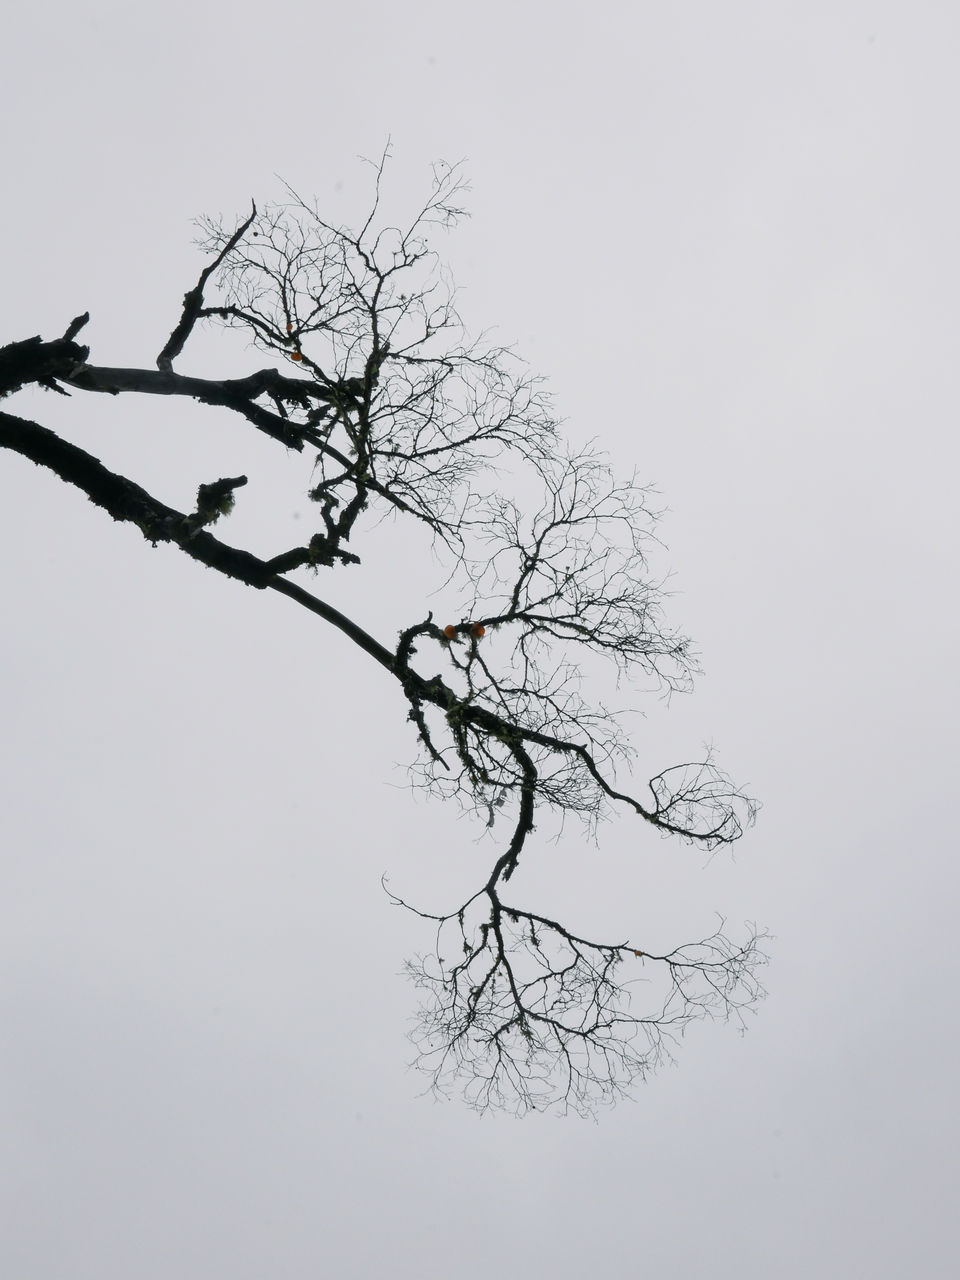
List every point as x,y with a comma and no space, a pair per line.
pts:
405,414
529,1015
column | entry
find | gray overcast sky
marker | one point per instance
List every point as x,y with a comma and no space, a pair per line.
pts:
727,234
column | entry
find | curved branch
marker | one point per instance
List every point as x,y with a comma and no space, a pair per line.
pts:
403,410
193,300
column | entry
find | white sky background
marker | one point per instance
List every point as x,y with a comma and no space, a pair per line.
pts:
727,234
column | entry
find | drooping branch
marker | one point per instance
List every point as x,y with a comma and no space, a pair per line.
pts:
408,416
126,501
532,1016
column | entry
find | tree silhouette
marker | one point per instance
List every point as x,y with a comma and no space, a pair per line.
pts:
372,371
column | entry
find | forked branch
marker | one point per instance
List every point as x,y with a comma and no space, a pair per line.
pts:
366,365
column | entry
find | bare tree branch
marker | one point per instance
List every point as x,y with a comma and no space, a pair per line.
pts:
407,415
193,300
